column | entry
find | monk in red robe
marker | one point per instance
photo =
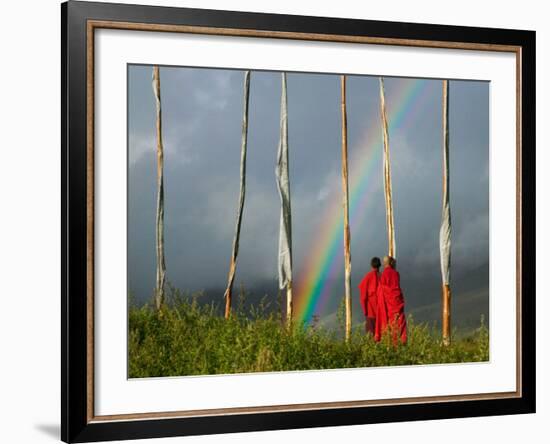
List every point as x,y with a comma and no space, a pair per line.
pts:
368,294
391,304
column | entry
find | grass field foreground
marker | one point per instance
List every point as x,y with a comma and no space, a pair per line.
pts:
189,338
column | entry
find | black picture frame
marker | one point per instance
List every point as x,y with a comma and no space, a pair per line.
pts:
76,424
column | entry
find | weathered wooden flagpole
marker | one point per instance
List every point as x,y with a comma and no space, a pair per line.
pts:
285,226
445,231
387,173
242,192
161,266
347,236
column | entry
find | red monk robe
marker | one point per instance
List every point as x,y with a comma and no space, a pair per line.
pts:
391,306
368,289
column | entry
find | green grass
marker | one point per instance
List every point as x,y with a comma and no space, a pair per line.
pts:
190,338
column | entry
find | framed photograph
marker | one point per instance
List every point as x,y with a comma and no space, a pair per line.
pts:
275,221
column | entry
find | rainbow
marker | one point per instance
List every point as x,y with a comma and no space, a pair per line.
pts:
326,251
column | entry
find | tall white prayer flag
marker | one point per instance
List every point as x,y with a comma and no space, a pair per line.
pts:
283,185
445,230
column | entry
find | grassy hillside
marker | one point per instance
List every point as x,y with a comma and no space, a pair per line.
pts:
188,338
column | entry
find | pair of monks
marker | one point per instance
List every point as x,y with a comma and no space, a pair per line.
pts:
382,301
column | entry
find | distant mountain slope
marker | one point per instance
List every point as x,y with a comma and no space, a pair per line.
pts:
422,289
466,310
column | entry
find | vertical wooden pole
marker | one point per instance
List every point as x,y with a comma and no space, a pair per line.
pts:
242,193
446,314
229,290
387,174
289,304
161,267
347,254
445,231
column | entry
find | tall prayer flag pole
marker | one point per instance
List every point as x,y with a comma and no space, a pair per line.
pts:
242,192
445,231
161,267
347,236
283,185
387,174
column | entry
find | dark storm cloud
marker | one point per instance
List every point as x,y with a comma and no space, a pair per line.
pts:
202,111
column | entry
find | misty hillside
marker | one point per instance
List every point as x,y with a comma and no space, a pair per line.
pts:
470,298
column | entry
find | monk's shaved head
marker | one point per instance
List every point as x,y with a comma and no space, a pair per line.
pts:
388,261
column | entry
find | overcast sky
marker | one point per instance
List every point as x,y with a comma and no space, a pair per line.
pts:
202,113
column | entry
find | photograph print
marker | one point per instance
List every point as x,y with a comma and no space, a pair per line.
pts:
289,221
